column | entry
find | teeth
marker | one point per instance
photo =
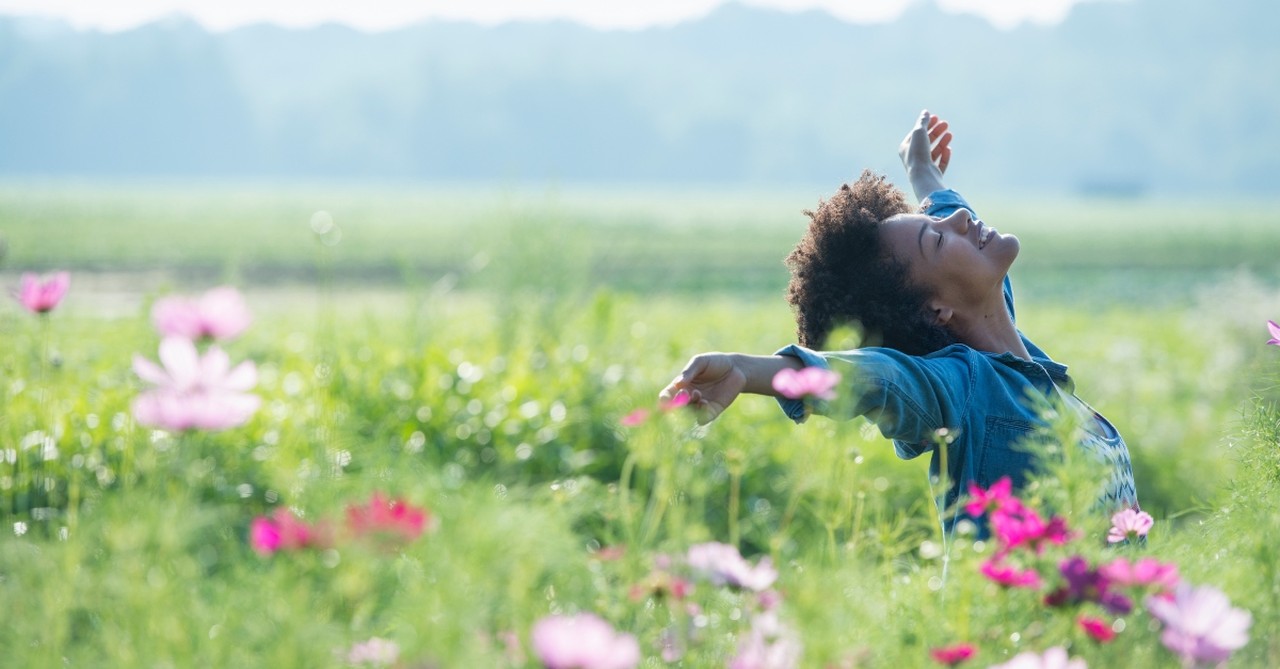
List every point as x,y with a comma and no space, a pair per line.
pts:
984,236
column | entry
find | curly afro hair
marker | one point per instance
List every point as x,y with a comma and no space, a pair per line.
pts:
843,275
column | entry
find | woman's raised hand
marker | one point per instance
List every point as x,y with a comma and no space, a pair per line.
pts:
928,143
926,152
712,380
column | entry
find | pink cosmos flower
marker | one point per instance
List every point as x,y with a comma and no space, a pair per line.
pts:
41,297
1142,572
995,498
1129,524
768,645
1010,576
282,531
1200,623
1097,629
375,652
1016,525
394,519
722,564
1054,658
816,382
218,314
583,641
635,418
1274,329
953,655
678,400
194,391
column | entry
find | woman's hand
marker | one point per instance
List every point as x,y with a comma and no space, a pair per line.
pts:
712,380
926,153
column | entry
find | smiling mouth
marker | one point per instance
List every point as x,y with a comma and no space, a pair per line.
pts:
984,235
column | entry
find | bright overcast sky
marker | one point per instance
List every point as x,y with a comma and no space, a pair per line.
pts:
385,14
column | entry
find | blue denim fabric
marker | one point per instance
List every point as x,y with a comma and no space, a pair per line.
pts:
986,401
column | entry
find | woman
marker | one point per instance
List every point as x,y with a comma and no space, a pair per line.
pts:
931,289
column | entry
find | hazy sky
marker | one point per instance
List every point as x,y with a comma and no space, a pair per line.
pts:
384,14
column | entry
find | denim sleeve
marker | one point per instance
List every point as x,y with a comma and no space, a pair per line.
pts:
945,202
908,397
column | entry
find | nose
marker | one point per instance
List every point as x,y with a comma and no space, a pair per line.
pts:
959,221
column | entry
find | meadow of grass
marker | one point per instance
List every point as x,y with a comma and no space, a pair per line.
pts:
476,355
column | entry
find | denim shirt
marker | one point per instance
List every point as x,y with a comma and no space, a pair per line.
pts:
984,400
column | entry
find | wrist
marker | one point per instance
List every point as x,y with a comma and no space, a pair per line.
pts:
759,370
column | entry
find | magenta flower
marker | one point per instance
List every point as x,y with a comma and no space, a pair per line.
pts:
218,314
282,531
1097,629
40,297
1274,329
722,564
1009,576
1054,658
1129,524
816,382
680,399
993,499
583,641
1200,623
768,645
376,652
394,519
1016,525
1086,585
194,391
953,655
1142,572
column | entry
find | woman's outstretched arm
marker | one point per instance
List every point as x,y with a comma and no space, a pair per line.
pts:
714,380
925,153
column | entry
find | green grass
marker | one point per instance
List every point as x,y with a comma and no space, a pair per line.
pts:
495,403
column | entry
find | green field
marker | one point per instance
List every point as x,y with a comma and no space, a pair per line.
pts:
474,353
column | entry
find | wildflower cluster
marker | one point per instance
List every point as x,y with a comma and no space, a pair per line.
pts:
1199,623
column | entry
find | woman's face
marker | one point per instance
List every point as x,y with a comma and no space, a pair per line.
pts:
958,259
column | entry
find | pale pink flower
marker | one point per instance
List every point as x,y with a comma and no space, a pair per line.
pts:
194,391
281,531
1274,329
768,645
1129,524
635,418
583,641
1200,623
395,518
953,655
1097,629
218,314
816,382
41,297
376,652
1010,576
722,564
1142,572
1054,658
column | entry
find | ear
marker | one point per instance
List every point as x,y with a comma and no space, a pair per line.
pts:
941,313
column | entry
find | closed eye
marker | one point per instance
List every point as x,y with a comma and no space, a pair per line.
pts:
939,244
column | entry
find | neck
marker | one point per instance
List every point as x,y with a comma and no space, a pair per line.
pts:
989,329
